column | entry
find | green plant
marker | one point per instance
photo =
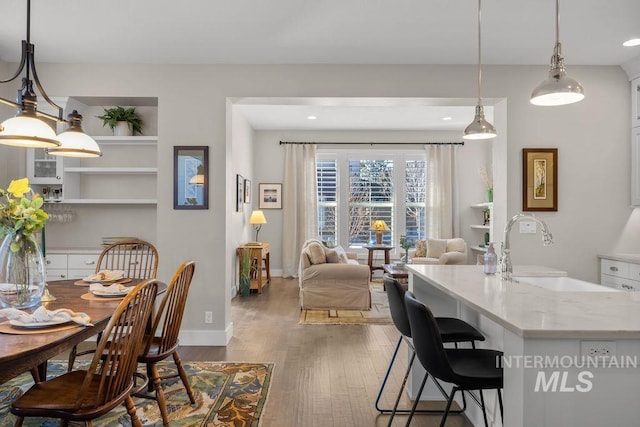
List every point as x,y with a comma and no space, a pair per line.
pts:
405,243
114,115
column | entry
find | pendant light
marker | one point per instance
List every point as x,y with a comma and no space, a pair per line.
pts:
558,88
480,128
27,129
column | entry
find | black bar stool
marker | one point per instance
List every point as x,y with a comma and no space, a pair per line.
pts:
452,330
465,368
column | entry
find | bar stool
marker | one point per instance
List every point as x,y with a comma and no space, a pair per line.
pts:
452,330
465,368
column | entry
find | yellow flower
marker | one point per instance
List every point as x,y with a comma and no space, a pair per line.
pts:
18,187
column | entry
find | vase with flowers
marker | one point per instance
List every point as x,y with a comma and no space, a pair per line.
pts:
487,179
22,268
406,244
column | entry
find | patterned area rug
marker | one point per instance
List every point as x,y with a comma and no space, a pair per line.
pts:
227,394
379,313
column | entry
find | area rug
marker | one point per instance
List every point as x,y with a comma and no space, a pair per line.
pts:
227,395
379,313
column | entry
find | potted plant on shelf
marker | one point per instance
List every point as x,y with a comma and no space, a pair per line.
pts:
122,121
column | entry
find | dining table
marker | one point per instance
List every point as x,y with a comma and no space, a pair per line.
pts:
22,351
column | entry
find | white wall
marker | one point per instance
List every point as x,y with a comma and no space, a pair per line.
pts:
592,138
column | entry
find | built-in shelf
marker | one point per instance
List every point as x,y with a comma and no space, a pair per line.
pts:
478,249
107,170
480,227
126,140
483,205
108,201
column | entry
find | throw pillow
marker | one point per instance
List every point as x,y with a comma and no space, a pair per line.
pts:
337,255
421,249
316,253
436,247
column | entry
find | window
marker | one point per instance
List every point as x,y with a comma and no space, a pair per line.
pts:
358,187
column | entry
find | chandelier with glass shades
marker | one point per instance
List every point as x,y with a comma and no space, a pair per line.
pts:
27,128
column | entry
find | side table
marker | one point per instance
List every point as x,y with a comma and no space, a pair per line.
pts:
371,250
258,253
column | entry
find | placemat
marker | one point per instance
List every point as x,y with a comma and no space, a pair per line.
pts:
81,283
91,297
6,328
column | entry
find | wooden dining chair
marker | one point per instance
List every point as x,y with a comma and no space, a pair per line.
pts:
84,395
162,341
137,258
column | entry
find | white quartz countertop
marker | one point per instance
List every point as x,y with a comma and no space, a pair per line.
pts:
532,311
74,251
634,258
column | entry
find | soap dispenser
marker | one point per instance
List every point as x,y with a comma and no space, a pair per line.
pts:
490,260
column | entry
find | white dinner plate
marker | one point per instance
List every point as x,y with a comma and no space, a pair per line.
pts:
36,325
107,294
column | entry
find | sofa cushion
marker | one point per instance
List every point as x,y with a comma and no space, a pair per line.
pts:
421,248
436,247
316,253
336,255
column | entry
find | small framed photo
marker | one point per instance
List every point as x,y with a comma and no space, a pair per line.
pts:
540,179
239,192
270,196
191,177
247,191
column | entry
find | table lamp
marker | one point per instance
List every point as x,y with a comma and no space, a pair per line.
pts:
257,219
379,226
198,178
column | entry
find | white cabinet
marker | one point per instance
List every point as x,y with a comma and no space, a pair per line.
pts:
485,211
43,168
635,142
619,274
71,264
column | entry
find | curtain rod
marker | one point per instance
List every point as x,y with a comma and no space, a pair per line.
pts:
370,143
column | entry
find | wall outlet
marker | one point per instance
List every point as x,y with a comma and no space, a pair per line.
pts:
598,348
208,317
527,227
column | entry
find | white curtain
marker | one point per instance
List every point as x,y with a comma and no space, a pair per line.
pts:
442,191
300,203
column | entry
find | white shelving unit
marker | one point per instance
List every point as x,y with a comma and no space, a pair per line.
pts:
483,228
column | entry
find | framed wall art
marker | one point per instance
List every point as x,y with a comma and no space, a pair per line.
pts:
191,177
270,196
247,191
239,193
540,179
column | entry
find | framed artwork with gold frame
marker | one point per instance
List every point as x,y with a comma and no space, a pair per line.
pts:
540,179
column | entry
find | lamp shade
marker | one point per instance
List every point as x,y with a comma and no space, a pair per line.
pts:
27,131
379,225
480,128
76,143
557,89
198,178
257,217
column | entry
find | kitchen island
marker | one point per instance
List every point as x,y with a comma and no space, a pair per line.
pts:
571,348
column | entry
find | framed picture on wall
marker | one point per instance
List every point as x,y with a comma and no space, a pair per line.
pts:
239,193
247,191
270,196
191,177
539,179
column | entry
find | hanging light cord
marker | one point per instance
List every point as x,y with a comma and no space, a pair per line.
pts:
479,54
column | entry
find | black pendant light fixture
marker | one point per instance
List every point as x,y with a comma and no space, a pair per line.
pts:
27,129
558,88
480,128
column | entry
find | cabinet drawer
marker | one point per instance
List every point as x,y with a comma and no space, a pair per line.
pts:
614,268
56,274
620,283
83,261
634,271
56,261
79,273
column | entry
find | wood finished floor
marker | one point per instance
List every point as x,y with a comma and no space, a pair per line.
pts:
325,375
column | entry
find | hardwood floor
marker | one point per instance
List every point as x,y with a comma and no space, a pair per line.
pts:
324,375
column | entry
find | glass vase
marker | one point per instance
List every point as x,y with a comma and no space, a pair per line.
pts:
22,271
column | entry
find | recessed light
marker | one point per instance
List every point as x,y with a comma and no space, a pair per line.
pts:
311,117
632,42
447,118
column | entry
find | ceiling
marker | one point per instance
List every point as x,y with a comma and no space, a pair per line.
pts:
325,32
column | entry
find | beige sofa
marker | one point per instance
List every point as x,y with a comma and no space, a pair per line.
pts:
439,251
332,279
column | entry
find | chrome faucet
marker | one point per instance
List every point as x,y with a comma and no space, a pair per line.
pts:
506,268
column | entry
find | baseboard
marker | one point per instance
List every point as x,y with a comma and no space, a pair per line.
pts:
207,337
